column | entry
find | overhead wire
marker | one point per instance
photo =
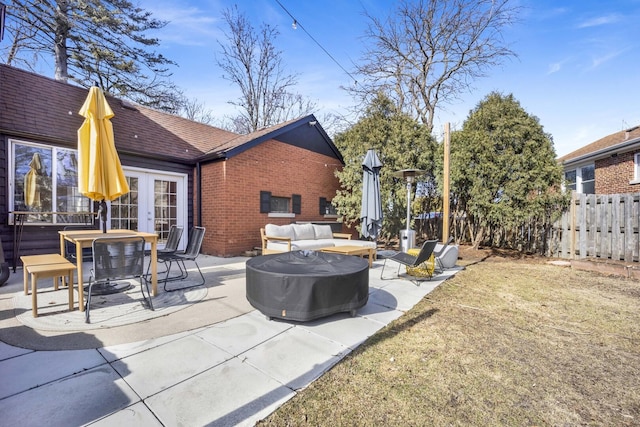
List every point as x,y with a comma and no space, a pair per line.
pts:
298,24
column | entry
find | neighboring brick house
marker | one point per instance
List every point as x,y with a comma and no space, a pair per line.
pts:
179,171
610,165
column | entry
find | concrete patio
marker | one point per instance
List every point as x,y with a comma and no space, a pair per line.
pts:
215,362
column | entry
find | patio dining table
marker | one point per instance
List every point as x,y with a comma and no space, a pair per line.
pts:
84,239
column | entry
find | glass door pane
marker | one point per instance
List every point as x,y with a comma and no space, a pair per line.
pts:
155,202
124,209
165,200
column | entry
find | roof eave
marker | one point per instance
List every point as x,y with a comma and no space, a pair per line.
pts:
303,121
604,152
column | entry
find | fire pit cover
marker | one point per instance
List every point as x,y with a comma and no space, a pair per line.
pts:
306,285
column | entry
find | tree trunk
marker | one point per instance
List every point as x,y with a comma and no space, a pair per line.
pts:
60,40
476,233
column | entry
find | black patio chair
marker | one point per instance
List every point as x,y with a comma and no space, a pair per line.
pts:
411,261
117,258
171,246
70,248
196,236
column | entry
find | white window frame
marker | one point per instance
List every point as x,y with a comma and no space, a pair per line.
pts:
636,169
579,181
576,181
52,175
582,180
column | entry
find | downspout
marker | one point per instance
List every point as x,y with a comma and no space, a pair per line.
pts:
199,194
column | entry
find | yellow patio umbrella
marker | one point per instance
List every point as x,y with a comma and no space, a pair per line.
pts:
31,185
100,175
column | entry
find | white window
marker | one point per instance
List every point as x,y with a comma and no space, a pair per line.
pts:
570,179
44,180
581,180
588,179
636,168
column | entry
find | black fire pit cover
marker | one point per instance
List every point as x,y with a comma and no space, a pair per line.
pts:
306,285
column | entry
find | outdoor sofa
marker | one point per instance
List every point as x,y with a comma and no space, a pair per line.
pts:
294,237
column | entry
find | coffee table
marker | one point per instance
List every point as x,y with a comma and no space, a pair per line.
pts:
351,250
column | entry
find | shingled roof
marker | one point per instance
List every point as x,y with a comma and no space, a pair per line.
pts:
40,108
37,107
605,146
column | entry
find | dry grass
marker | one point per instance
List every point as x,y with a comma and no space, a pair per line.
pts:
506,342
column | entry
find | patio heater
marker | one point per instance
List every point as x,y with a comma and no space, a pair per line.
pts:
407,236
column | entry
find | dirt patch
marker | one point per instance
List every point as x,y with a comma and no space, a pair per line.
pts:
511,340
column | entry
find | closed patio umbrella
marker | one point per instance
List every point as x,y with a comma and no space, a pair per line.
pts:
100,175
31,184
371,211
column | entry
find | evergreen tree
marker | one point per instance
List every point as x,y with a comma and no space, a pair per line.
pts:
401,143
503,169
93,41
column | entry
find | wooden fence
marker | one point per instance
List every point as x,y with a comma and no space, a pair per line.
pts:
598,226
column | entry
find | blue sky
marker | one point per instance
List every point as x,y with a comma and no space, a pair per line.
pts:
577,67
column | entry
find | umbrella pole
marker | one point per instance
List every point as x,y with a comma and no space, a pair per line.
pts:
102,211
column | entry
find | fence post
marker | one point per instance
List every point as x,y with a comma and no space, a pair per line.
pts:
572,226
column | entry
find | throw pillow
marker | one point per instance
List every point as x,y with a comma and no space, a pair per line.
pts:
323,231
303,232
279,231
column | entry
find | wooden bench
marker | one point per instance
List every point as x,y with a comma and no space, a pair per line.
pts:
44,266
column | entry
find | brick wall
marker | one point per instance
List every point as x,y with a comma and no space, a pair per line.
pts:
231,193
613,174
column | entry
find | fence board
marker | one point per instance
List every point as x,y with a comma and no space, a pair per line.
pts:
604,226
616,232
628,227
592,225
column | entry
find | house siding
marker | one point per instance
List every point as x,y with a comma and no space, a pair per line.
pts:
224,198
37,239
614,174
231,195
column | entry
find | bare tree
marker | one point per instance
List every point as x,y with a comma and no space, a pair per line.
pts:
429,51
251,61
197,111
93,41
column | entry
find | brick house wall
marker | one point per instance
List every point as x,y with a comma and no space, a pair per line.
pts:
614,174
231,192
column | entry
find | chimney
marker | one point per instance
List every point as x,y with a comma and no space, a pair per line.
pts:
627,133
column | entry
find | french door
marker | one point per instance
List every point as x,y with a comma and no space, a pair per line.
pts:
156,201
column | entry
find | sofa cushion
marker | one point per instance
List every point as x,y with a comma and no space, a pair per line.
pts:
348,242
273,230
312,244
322,231
303,232
326,243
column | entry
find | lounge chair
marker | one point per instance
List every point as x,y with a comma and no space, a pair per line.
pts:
411,261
